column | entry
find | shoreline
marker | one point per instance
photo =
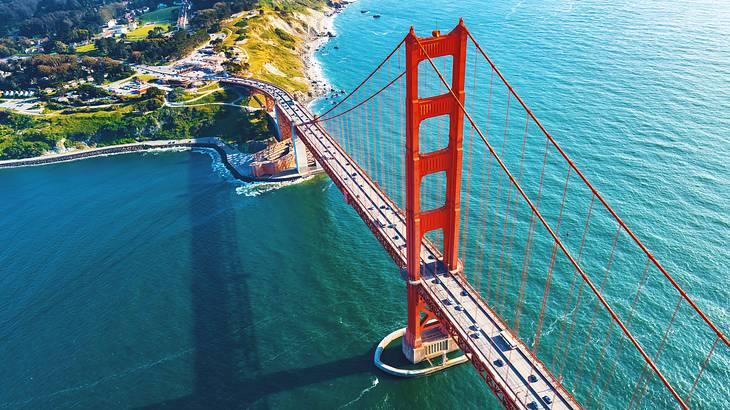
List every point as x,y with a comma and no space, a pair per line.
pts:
314,75
211,143
313,72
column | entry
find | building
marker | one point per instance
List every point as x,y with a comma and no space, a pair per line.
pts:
16,94
112,29
141,89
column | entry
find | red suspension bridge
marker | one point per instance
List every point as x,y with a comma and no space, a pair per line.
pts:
509,253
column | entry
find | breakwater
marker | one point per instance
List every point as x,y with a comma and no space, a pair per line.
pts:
208,143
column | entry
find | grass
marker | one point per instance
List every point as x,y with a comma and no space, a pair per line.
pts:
300,6
126,122
78,122
65,125
189,94
120,81
230,27
267,44
285,60
253,101
226,117
222,96
211,85
86,48
145,77
166,15
140,33
5,137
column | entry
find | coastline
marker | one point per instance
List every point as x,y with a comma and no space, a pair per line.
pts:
324,31
228,156
322,22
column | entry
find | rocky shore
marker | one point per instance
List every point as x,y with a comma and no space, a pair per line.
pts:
322,25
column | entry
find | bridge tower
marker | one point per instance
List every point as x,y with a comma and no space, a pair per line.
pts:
423,338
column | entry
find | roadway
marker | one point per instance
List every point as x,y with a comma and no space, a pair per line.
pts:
508,366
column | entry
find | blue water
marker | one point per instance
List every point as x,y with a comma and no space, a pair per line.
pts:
636,94
151,280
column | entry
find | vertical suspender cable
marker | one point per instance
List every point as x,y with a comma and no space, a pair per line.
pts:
594,316
546,293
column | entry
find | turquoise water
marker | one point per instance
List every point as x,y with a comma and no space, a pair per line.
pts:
154,280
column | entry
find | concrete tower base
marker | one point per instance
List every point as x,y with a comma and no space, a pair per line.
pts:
434,343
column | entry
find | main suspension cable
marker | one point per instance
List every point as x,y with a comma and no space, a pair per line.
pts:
365,80
613,213
552,233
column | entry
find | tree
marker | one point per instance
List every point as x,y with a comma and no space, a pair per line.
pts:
176,94
23,149
235,68
154,92
151,105
155,33
59,47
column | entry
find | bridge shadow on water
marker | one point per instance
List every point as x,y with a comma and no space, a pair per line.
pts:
227,369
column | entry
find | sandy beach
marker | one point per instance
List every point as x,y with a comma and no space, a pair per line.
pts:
322,25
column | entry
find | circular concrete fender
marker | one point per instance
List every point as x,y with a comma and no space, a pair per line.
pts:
395,371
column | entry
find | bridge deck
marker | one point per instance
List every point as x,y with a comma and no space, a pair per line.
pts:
508,366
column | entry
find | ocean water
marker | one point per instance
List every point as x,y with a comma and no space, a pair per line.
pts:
153,280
